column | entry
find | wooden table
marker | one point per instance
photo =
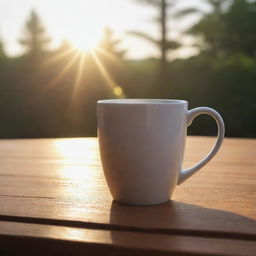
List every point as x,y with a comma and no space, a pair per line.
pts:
54,201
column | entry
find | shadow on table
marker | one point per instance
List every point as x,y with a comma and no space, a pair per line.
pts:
179,218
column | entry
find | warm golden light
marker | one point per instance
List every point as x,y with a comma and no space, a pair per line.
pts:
85,44
78,156
75,149
79,74
65,69
77,167
90,40
117,90
56,57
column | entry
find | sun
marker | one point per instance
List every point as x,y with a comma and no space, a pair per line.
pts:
85,44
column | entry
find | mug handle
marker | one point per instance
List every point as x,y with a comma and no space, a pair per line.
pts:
191,114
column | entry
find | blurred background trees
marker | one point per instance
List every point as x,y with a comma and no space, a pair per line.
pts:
228,28
163,43
34,38
53,93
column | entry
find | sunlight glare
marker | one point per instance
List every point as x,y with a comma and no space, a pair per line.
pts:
116,89
85,44
85,28
56,57
64,70
79,158
75,148
78,75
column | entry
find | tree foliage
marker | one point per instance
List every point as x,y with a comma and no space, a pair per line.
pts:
35,38
229,27
164,44
240,28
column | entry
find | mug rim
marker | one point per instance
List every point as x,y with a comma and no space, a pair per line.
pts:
142,101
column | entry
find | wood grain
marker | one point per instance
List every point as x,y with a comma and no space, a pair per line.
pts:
61,179
28,238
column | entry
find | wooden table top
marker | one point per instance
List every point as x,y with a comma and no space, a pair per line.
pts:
53,196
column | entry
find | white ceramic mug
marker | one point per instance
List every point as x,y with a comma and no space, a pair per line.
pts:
142,144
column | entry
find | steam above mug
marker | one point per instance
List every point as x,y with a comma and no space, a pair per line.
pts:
142,145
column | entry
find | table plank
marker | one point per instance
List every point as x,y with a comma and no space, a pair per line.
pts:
61,179
76,241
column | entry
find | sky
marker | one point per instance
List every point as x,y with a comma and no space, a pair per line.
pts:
82,22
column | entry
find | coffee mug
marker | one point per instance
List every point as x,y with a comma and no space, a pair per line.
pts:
142,145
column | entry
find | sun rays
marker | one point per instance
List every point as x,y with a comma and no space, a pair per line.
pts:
86,45
64,70
58,56
78,59
79,74
116,89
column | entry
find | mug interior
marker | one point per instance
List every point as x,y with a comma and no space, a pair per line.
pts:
142,101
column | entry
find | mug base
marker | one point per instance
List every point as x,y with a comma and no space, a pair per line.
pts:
141,203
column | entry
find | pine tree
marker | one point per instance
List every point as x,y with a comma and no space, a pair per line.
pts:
163,43
35,38
210,28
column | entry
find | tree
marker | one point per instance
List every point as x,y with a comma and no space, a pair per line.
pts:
240,28
210,27
229,27
35,38
163,43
